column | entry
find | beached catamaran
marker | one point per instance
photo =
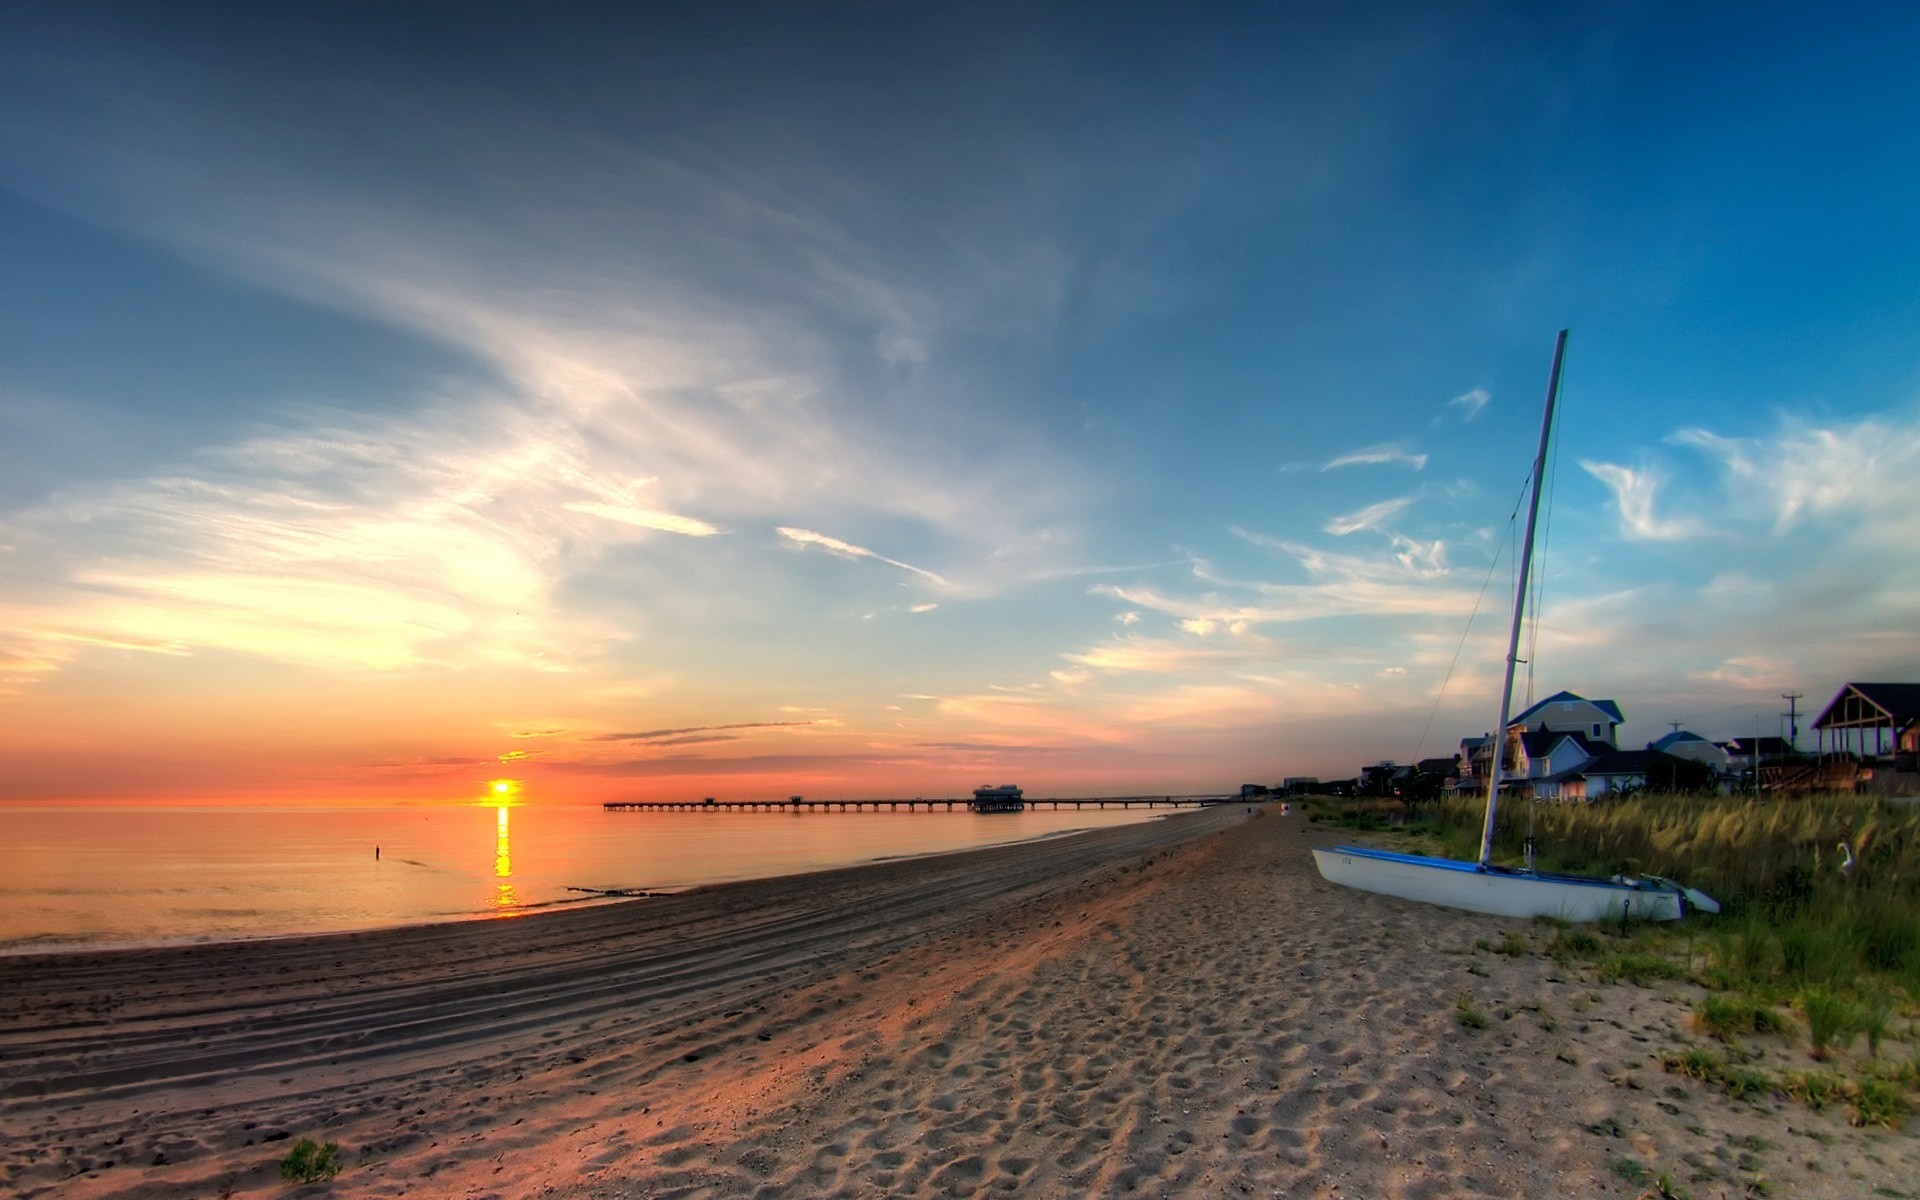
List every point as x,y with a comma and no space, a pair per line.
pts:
1484,886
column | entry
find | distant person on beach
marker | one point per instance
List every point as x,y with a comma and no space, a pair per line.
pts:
376,854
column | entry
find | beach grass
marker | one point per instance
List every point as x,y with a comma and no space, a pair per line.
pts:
1817,945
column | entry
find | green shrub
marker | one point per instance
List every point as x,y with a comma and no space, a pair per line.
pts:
1880,1102
1815,1089
1695,1062
1816,953
308,1163
1887,933
1728,1017
1747,950
1470,1014
1830,1019
1576,943
1744,1082
1639,968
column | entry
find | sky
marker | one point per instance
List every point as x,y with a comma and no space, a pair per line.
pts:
662,401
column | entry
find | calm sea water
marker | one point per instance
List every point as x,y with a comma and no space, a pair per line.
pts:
85,877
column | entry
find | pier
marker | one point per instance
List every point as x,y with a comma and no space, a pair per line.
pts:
947,803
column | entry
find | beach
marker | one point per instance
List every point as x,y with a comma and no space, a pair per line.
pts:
1176,1008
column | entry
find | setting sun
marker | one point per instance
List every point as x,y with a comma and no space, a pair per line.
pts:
503,787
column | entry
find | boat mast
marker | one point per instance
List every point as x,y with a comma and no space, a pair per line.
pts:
1519,607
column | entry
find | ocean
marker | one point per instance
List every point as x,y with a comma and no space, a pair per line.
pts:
95,877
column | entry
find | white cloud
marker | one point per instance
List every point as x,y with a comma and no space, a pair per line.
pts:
644,518
1470,403
1381,455
1370,517
833,545
1869,469
1633,495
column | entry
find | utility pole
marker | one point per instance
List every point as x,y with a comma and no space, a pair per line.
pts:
1793,719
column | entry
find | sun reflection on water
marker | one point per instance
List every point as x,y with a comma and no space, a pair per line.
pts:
506,900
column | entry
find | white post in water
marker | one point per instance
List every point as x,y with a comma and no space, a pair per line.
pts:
1519,607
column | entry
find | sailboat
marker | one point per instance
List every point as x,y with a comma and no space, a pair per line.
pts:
1484,886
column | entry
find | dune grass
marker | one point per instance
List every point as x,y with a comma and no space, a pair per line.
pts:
1806,950
1792,917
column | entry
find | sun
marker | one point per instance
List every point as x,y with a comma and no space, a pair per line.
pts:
503,787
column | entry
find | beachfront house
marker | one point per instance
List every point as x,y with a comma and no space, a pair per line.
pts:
1561,734
1614,771
1744,754
1683,744
1871,719
1564,712
1554,761
1473,761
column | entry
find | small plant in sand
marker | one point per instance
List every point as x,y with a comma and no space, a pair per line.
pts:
1831,1020
310,1163
1639,968
1469,1013
1872,1019
1881,1102
1665,1186
1730,1017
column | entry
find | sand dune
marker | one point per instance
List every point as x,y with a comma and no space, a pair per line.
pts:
1175,1009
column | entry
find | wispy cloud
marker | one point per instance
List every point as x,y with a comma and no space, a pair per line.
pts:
833,545
1634,494
1370,517
1386,454
1470,403
657,734
644,518
1869,468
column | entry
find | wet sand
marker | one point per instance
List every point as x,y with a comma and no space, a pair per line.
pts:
1182,1008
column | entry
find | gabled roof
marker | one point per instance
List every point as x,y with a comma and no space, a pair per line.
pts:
1676,737
1605,706
1869,704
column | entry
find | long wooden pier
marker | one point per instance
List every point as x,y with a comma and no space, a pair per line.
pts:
948,803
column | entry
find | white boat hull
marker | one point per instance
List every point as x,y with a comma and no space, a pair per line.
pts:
1500,891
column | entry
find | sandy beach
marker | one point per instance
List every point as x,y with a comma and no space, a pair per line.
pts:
1181,1008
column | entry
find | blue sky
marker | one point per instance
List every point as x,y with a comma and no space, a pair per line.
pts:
888,398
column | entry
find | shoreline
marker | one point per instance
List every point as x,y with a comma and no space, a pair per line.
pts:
589,898
1178,1008
431,875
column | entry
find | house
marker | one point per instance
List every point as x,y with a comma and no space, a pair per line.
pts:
1872,719
1554,756
1473,756
1564,712
1615,771
1445,768
1547,755
1385,778
1625,770
1682,744
1742,752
